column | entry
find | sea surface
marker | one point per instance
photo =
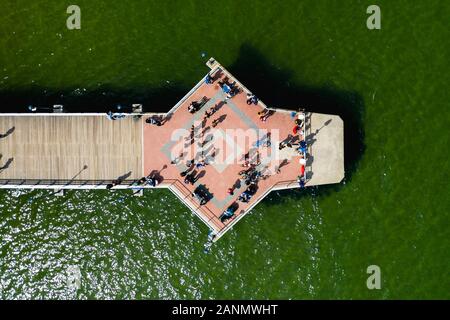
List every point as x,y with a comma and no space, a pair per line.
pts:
390,86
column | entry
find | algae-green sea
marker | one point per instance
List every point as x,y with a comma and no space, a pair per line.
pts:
390,85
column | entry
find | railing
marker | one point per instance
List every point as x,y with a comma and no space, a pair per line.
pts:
308,146
250,208
186,97
202,211
206,215
67,184
75,114
212,63
58,182
217,66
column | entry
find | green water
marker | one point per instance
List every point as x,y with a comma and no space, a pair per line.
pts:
389,85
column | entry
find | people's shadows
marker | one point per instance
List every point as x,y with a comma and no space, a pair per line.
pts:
282,164
75,177
209,138
267,115
276,88
156,174
237,184
209,151
124,176
7,133
200,175
166,118
7,164
221,119
217,107
211,154
311,138
290,139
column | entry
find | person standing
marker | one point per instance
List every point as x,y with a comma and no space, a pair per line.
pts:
153,120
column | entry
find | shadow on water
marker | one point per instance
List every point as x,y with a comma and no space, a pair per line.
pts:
272,85
103,99
276,88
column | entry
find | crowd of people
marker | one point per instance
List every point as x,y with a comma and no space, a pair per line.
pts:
194,106
151,180
251,174
299,129
230,88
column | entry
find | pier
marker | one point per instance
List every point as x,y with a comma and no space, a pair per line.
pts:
211,135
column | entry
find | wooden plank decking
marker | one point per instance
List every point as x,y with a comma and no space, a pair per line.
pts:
70,148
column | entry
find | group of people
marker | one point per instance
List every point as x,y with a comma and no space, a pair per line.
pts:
209,113
154,120
250,176
251,99
255,161
248,193
189,178
150,180
190,175
230,88
115,115
289,142
302,146
299,123
194,106
229,212
265,114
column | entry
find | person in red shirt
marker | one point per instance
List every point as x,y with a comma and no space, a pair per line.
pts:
302,170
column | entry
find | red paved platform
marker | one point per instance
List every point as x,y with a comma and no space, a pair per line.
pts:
167,149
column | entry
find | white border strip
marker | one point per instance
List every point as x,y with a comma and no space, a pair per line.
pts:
68,114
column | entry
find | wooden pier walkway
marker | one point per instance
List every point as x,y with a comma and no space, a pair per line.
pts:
56,147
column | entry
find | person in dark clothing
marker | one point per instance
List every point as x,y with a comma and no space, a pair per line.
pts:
301,181
252,99
152,182
194,106
154,121
208,79
244,197
227,214
112,184
190,178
